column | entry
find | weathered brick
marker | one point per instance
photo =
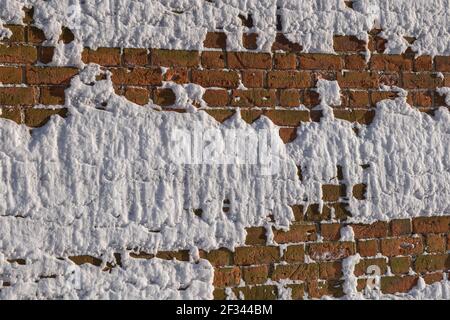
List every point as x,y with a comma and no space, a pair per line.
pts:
256,255
137,76
297,291
253,78
358,79
432,262
257,292
35,35
102,56
360,116
436,243
13,114
290,98
226,277
216,97
296,233
175,58
52,95
348,43
355,62
316,61
66,35
356,99
213,59
249,60
401,246
220,115
164,97
389,62
311,98
400,227
320,288
135,57
365,266
377,229
330,231
331,192
139,96
398,284
39,117
420,98
216,40
326,251
284,61
368,248
288,134
421,80
15,96
50,75
377,96
400,265
181,255
442,63
254,97
220,257
431,224
10,75
423,63
359,191
282,43
216,78
45,54
18,54
289,79
295,253
18,33
299,271
431,278
250,41
255,236
290,118
330,270
255,274
177,75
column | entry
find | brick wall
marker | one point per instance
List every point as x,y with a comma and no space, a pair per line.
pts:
277,82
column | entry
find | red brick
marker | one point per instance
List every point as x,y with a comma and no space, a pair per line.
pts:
255,274
256,292
442,63
355,62
436,243
377,229
52,95
296,233
377,96
285,61
249,60
301,271
18,54
39,117
50,75
216,40
220,115
137,76
256,236
400,227
182,255
250,41
135,57
18,33
45,54
431,224
295,253
102,56
253,78
35,35
175,58
288,118
311,98
216,97
432,262
177,75
398,284
423,63
348,43
332,193
330,231
431,278
14,96
226,277
10,75
254,98
290,98
315,61
326,251
330,270
421,98
139,96
356,99
289,79
320,288
256,255
219,257
288,134
282,43
358,79
216,78
368,248
213,59
421,81
401,246
389,62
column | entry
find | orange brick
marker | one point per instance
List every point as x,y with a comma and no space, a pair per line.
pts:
288,134
431,224
368,248
45,54
400,227
219,257
442,63
255,274
253,78
423,63
295,253
250,41
177,75
401,246
330,270
289,79
256,255
282,43
290,98
216,97
285,61
137,76
356,115
10,75
400,265
296,233
398,284
35,35
356,99
216,78
330,231
326,251
311,98
225,277
348,43
421,81
288,118
355,62
301,271
18,33
18,54
377,229
436,243
50,75
213,59
332,192
135,57
164,97
389,62
139,96
358,79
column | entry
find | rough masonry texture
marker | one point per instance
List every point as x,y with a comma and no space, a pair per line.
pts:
275,85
